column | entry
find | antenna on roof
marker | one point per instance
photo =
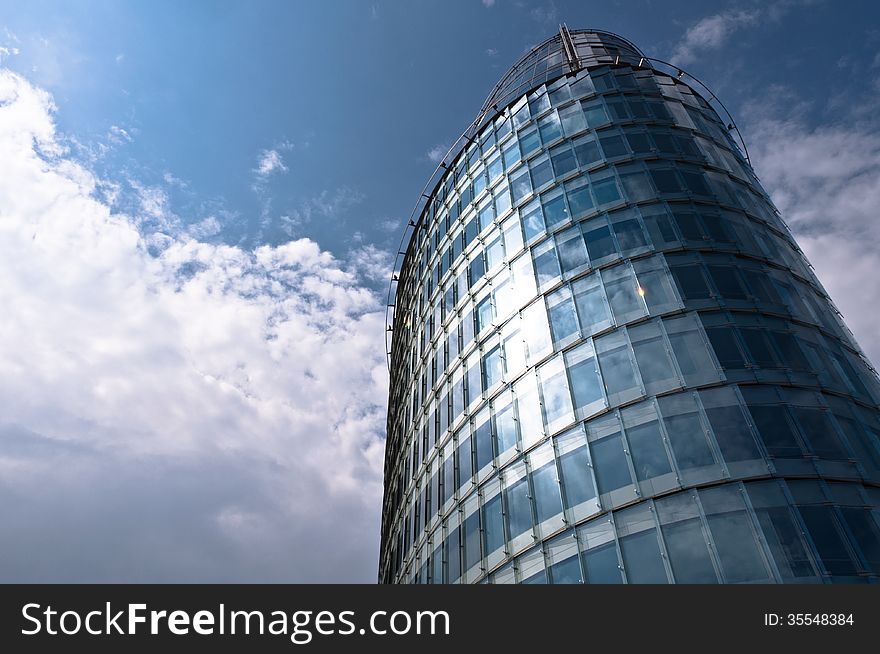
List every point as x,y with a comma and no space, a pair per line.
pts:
568,48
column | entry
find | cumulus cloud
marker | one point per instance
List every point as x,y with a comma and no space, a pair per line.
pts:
188,412
825,180
371,262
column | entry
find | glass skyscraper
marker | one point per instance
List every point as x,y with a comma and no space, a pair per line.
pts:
610,361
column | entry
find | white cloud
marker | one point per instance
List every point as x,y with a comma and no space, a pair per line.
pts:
372,263
118,135
206,414
488,3
437,153
711,32
825,180
270,161
390,225
7,51
714,31
491,52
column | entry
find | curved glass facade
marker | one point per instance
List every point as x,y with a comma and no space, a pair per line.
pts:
610,360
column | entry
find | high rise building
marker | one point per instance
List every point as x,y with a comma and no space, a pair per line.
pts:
610,360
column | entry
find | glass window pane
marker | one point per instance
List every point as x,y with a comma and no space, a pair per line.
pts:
594,111
572,251
519,509
656,285
493,368
691,351
622,292
563,160
548,503
784,539
605,190
615,363
759,348
591,305
532,220
726,347
580,201
598,239
521,185
567,571
652,358
452,554
646,442
555,209
472,550
685,538
496,168
819,432
555,394
483,438
505,424
628,231
542,172
727,282
577,477
690,281
688,225
665,180
550,127
687,435
732,534
731,429
587,151
599,552
493,525
465,462
613,146
546,264
775,431
863,526
641,558
572,119
511,154
826,536
529,141
528,410
563,319
586,383
536,331
609,460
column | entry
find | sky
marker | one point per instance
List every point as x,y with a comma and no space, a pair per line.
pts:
199,208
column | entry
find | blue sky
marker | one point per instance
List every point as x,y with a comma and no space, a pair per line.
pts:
199,206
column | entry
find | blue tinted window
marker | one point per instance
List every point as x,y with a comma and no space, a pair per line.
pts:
601,565
577,478
610,467
548,503
519,508
600,243
579,198
641,558
493,524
